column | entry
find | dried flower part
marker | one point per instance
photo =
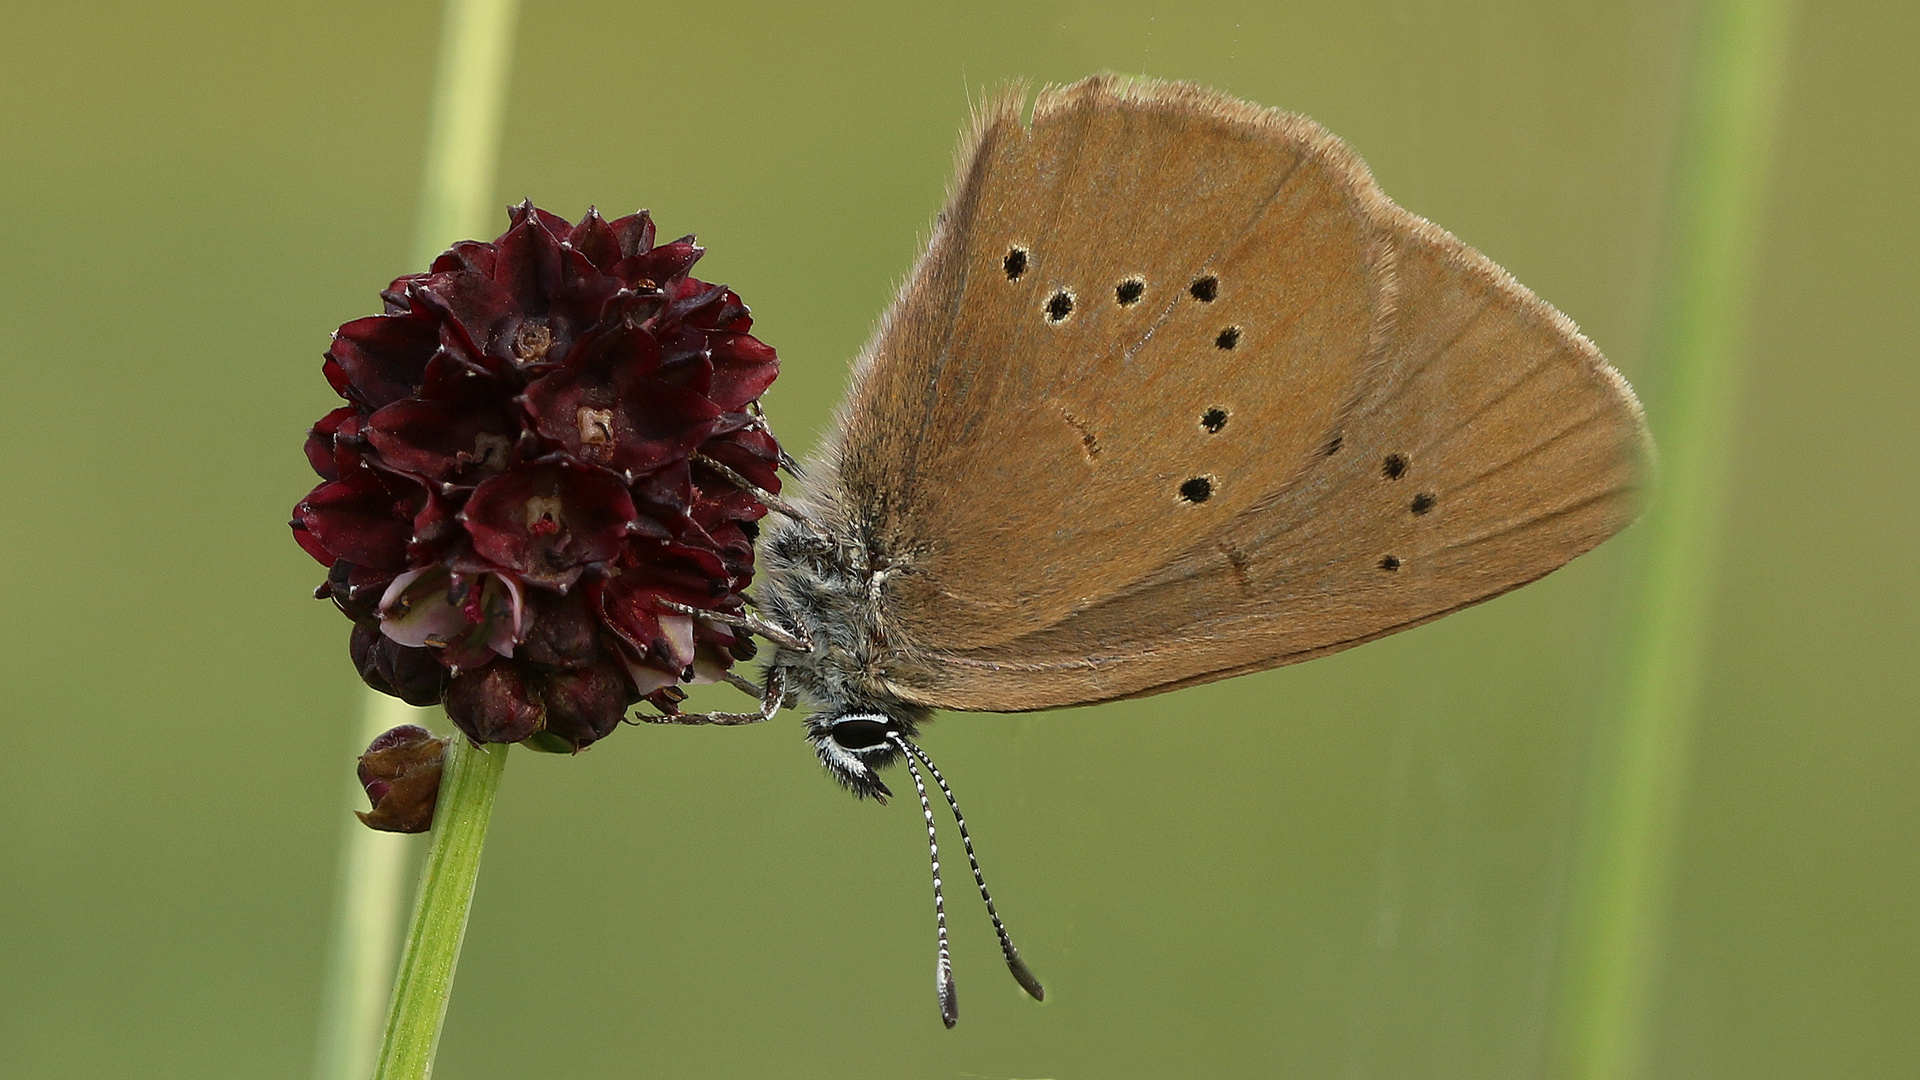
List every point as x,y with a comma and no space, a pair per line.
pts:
401,772
510,492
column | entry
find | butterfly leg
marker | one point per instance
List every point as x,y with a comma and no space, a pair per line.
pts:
770,702
773,501
760,421
796,639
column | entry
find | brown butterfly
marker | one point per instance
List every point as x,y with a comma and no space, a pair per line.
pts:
1174,394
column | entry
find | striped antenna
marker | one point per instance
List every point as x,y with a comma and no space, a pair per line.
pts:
1021,973
943,970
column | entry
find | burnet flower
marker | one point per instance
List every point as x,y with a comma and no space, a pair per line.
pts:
525,476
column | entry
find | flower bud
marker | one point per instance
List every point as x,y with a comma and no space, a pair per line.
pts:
585,705
401,772
495,704
412,675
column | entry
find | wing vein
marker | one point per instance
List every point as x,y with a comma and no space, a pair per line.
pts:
1537,519
1226,248
1407,381
1532,451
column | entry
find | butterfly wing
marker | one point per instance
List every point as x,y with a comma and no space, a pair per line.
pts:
1274,415
1011,439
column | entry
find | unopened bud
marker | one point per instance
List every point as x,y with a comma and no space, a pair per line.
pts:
401,772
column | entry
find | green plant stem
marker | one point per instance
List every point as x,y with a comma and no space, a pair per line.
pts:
456,190
1618,917
420,991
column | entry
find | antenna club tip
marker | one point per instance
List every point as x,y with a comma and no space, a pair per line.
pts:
949,998
1025,977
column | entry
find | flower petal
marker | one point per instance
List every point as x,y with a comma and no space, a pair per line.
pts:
529,263
635,233
380,359
467,437
320,441
661,264
601,413
596,240
549,521
365,518
751,452
743,368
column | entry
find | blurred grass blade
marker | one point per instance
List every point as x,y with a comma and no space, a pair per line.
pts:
456,197
463,135
1720,166
366,923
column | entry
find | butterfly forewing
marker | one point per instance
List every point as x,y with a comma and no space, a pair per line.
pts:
1274,416
1104,280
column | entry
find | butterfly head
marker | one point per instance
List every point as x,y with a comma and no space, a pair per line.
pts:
854,746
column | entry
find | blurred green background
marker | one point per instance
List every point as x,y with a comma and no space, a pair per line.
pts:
1356,868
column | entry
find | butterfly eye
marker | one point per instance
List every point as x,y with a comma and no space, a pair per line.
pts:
859,734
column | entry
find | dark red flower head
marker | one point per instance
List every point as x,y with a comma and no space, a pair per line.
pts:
512,489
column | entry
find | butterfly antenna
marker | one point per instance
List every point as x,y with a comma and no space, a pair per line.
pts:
1021,973
943,971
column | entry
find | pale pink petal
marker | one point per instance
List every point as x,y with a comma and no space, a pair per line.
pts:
414,611
678,630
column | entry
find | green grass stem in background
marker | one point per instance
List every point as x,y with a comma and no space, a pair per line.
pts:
366,925
1618,917
463,134
456,202
425,980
